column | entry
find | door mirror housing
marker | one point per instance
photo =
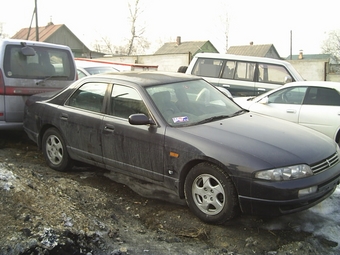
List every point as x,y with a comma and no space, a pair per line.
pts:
140,119
264,100
288,79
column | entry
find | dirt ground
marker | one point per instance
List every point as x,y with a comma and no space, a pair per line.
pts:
85,212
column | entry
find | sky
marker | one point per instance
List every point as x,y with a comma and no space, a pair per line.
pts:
290,25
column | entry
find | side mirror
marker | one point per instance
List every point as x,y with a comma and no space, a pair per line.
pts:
288,79
264,100
140,119
225,92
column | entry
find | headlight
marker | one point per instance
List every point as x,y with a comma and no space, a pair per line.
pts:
285,173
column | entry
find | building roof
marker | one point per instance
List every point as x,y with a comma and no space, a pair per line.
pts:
44,32
329,58
186,47
260,50
311,56
58,34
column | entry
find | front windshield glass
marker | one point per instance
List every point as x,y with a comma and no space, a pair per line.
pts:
100,69
191,103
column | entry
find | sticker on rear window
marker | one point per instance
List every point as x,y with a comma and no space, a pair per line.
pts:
180,119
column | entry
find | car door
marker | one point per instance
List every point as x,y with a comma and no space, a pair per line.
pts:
81,120
284,104
238,78
321,110
135,150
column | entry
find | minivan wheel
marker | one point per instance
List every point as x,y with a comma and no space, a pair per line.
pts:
210,194
54,150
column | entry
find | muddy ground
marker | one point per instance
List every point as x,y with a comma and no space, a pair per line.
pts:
85,212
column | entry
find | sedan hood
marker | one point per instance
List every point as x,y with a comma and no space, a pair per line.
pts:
244,102
261,142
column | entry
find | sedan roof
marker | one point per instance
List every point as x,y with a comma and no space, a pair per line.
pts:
147,78
325,84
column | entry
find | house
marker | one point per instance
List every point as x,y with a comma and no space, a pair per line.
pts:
260,50
319,67
58,34
192,47
323,57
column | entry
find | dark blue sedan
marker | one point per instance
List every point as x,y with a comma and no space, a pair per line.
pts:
180,132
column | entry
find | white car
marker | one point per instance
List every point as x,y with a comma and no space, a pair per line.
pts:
314,104
89,67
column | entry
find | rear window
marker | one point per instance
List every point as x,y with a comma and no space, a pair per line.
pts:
47,62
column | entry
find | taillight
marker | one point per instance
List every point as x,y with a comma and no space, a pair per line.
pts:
2,83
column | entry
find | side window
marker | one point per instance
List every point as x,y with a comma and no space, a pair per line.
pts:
229,70
288,96
273,74
322,96
126,101
206,67
90,97
245,71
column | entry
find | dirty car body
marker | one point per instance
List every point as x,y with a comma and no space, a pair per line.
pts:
181,133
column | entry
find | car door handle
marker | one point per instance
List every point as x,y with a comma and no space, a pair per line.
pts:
226,86
64,116
109,128
261,89
291,111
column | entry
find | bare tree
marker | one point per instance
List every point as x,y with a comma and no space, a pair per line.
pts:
332,44
104,45
226,32
136,32
2,34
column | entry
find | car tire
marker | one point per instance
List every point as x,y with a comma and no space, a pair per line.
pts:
54,150
210,194
182,69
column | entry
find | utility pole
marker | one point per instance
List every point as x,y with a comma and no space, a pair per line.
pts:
36,21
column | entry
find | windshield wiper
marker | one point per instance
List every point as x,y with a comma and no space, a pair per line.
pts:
220,117
239,112
213,118
51,76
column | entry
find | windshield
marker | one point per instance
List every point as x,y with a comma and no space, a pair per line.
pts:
191,103
100,69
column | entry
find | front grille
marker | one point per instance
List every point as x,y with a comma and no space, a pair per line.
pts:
325,164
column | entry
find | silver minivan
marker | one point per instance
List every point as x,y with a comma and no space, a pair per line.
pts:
27,68
243,75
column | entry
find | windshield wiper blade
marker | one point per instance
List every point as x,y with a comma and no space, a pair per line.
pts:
50,77
213,118
239,112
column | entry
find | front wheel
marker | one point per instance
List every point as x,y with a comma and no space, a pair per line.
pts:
54,150
210,194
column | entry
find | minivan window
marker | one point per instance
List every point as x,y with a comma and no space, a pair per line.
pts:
208,67
242,75
272,74
47,62
245,71
229,70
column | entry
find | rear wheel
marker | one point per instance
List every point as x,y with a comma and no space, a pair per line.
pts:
54,150
210,194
